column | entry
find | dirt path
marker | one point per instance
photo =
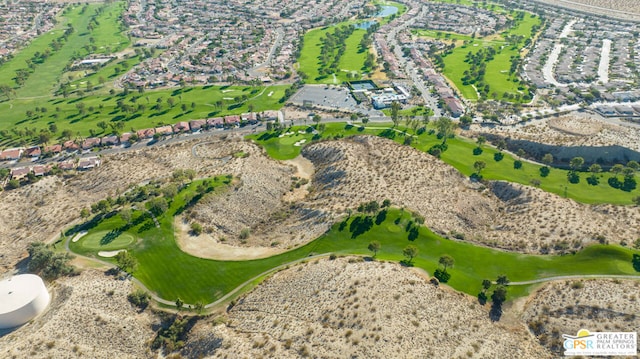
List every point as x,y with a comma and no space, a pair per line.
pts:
305,170
584,276
203,246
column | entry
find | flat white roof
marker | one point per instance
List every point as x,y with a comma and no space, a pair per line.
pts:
19,290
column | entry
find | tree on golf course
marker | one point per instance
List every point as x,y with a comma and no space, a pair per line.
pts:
410,252
374,246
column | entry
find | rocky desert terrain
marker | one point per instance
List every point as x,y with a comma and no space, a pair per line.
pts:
562,136
564,307
503,215
347,308
339,175
89,317
338,308
620,9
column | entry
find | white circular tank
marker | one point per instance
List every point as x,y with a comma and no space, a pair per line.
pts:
22,298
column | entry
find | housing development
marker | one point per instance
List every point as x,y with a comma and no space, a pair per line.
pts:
334,179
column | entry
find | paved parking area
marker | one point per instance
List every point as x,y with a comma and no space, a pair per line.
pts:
331,97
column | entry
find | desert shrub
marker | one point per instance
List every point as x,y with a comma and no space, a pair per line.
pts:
171,336
245,233
576,285
544,171
43,260
517,164
196,229
442,275
139,298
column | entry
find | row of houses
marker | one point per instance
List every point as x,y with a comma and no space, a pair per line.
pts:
439,84
87,144
87,163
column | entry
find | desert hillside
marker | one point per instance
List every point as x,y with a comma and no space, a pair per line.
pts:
89,317
504,215
269,200
40,211
565,307
346,308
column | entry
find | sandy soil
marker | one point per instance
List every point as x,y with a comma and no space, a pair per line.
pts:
338,309
574,130
342,175
596,305
504,215
109,254
621,9
205,246
89,317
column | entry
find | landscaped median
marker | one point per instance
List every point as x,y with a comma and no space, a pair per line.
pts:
164,269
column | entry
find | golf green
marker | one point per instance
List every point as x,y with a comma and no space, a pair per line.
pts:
107,240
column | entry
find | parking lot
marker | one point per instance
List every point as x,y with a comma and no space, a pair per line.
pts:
331,97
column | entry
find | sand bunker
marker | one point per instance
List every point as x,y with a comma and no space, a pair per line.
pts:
109,254
78,236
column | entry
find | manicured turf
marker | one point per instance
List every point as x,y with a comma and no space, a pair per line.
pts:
107,37
353,59
460,155
442,35
65,114
174,274
104,241
497,70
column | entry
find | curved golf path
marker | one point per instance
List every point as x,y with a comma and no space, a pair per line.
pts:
224,298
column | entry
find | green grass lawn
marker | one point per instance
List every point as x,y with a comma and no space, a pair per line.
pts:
351,61
65,114
460,156
107,73
107,37
442,35
101,241
497,70
353,58
173,274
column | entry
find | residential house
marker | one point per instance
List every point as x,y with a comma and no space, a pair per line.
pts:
250,118
232,120
70,146
54,149
19,173
164,130
33,152
67,165
90,143
88,163
146,133
456,107
196,125
41,170
124,138
11,154
217,122
181,127
109,140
